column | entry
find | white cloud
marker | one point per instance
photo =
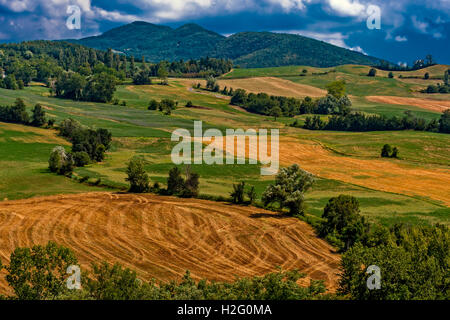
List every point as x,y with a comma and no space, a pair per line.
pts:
348,7
419,25
401,39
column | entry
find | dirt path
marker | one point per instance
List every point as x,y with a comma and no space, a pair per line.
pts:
162,237
427,104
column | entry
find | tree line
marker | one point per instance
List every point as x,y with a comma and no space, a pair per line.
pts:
335,102
17,113
360,122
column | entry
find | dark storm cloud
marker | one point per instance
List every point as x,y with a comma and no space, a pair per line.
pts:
409,29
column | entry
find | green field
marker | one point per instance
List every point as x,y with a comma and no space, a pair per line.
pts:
137,131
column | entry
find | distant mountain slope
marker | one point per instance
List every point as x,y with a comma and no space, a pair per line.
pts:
156,42
266,49
247,49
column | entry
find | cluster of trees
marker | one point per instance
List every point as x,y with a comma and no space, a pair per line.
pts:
335,102
440,88
388,152
186,187
416,65
17,113
413,260
99,87
165,105
360,122
201,68
88,145
239,192
39,273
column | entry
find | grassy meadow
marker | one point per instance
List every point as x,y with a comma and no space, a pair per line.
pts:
137,131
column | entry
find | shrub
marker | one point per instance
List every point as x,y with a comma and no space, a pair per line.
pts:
391,75
372,72
154,105
386,151
189,104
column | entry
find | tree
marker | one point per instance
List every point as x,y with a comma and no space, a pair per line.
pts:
81,158
391,75
60,161
251,194
426,76
191,184
237,195
153,105
38,118
386,151
336,89
395,153
167,105
189,104
342,220
372,72
10,82
446,74
175,183
142,77
162,73
276,112
136,176
39,273
288,191
239,97
444,122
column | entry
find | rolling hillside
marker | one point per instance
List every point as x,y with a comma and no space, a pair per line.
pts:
162,237
247,49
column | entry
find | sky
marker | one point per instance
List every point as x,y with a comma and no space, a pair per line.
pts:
408,29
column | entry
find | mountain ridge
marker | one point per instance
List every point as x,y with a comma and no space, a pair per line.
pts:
247,49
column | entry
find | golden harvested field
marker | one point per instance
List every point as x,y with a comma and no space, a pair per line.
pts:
427,104
383,175
162,237
270,85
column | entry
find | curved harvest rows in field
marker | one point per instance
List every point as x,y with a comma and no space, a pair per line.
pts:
270,85
427,104
162,237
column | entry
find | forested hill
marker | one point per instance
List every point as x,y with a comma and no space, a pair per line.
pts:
247,49
156,42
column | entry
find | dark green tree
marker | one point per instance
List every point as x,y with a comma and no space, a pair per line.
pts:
136,176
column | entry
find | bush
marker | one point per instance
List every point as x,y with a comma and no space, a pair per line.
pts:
372,72
153,105
391,75
386,151
189,104
136,176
